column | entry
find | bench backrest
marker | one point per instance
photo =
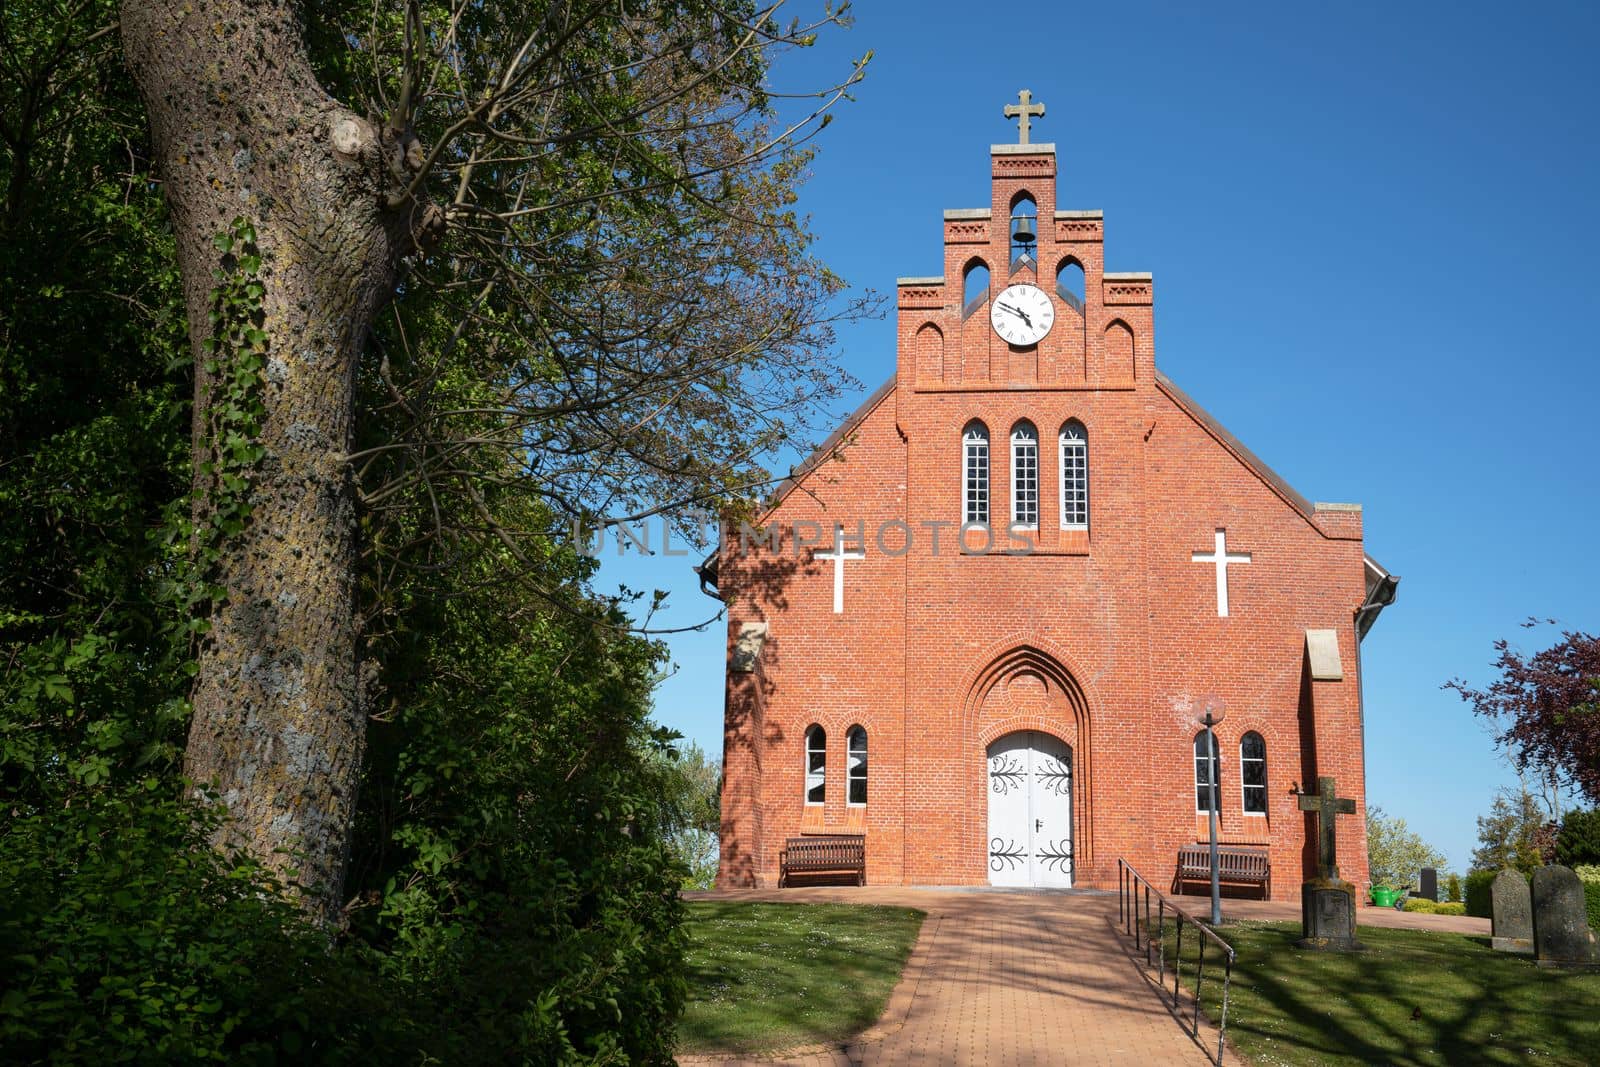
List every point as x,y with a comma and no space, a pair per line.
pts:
814,849
1231,862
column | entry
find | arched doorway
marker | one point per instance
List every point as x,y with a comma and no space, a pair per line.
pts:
1030,810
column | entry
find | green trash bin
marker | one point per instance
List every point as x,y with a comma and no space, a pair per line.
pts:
1384,897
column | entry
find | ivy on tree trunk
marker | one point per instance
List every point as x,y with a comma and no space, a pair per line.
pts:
242,127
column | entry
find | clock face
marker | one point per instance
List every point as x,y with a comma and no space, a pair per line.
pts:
1022,314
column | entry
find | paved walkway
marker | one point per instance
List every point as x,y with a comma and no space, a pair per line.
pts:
1020,978
1005,978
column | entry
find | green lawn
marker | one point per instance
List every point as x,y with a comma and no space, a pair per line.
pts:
1472,1005
769,976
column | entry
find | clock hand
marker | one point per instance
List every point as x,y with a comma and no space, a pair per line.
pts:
1018,312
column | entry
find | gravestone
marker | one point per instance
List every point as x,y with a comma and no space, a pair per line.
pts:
1561,934
1327,902
1511,912
1428,887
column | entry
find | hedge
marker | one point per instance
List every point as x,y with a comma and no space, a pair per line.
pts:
1479,903
1432,907
1477,893
1590,876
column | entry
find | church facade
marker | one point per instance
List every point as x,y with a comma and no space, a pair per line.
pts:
981,625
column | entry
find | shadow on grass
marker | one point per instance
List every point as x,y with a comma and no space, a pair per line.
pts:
1414,997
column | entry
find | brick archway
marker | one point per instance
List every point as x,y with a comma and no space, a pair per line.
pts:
1026,687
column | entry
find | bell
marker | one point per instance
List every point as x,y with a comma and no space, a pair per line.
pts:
1022,230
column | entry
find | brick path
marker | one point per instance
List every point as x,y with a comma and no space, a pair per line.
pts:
1005,979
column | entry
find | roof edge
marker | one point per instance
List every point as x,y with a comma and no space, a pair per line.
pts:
825,450
1272,479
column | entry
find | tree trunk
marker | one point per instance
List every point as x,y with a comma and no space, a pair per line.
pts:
242,128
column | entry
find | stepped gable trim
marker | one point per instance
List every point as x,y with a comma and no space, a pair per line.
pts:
825,450
1269,477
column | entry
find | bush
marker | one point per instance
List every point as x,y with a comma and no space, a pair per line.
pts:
1428,907
1478,900
1452,889
1589,875
139,943
1578,841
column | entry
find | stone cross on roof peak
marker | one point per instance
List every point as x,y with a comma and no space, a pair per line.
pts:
1024,111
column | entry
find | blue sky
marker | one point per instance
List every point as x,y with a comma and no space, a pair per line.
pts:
1374,231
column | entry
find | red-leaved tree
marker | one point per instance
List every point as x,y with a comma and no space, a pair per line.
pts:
1546,708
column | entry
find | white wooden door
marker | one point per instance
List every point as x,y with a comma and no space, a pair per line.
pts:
1030,810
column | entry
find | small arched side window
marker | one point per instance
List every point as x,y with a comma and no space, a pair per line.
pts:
1253,772
1024,475
856,769
974,287
1074,476
1204,799
975,459
816,764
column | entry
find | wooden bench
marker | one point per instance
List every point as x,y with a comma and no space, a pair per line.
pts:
1235,865
824,854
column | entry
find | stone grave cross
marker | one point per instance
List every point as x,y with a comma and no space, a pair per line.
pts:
1328,805
1024,111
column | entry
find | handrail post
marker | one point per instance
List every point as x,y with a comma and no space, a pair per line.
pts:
1122,876
1222,1028
1177,963
1161,932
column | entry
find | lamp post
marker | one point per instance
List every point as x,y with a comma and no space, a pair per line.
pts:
1214,714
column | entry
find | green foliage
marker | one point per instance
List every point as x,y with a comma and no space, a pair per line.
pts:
1589,875
1452,888
1513,834
1395,855
520,843
1430,907
1578,840
129,939
693,810
1478,901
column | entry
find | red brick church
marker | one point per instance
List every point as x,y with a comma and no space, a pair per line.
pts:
980,625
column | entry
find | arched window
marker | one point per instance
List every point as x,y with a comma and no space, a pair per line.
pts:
974,287
1203,798
1070,284
1024,475
816,764
975,452
1253,772
856,769
1074,477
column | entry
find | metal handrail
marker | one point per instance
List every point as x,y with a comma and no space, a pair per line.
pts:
1129,884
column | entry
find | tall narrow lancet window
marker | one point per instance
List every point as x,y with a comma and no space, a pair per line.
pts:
974,287
1253,772
1024,475
856,780
1204,798
816,764
1074,477
975,453
1070,285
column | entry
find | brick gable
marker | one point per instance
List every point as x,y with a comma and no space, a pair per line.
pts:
1108,639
